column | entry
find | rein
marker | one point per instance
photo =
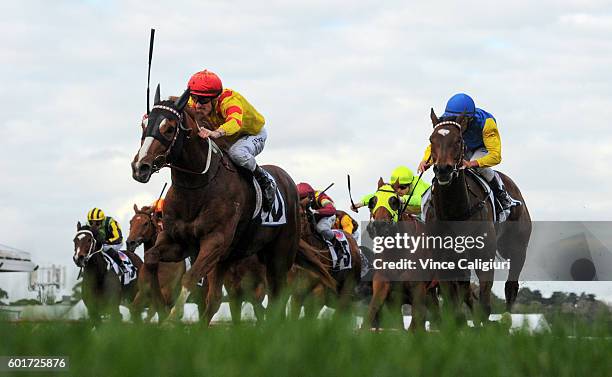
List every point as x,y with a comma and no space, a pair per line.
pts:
212,148
401,212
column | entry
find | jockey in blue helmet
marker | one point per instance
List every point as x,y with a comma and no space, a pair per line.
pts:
482,143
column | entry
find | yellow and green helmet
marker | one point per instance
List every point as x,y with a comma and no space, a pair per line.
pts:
95,214
402,174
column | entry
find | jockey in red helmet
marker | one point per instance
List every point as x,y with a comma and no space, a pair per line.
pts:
236,119
322,207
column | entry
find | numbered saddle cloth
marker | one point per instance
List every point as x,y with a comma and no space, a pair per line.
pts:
277,215
341,253
127,277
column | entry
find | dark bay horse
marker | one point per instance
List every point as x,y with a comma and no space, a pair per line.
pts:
307,289
102,288
208,211
406,288
458,197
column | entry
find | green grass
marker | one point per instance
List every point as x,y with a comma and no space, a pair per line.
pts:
321,348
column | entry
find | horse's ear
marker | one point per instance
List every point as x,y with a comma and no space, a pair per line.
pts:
380,182
157,98
135,208
182,101
396,184
463,120
78,226
434,117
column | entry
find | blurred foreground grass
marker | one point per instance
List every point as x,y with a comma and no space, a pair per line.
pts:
304,348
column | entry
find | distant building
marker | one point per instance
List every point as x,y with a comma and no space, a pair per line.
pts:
14,260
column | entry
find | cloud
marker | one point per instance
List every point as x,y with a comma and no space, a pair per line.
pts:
345,88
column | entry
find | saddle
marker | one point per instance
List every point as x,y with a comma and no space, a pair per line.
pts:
127,277
277,214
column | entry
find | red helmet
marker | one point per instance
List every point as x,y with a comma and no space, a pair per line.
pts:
304,190
205,84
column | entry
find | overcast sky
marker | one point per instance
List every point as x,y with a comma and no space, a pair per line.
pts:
345,88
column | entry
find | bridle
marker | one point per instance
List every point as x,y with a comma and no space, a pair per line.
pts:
149,220
458,164
91,252
212,146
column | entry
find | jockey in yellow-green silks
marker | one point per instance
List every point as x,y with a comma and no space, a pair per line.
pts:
406,183
110,234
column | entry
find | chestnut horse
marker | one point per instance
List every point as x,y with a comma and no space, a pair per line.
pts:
406,288
209,209
458,197
243,282
144,227
307,289
102,288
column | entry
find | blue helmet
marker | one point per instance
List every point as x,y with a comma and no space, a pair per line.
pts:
458,104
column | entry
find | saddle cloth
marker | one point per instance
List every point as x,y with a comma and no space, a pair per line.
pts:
132,271
277,215
499,216
341,256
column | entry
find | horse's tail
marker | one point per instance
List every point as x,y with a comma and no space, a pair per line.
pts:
307,259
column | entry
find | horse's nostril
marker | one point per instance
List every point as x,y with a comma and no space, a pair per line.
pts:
144,168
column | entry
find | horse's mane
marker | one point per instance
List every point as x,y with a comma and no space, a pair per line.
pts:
95,232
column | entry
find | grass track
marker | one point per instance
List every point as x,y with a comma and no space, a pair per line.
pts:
321,348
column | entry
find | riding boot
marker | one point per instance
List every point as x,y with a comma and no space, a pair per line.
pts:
268,187
501,194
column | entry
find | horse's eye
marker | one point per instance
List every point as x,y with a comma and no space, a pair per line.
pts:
372,202
394,203
167,128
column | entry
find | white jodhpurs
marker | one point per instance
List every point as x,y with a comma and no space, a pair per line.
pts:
487,173
244,150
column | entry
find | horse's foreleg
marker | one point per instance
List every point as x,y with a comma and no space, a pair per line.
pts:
485,281
214,294
234,295
418,292
235,305
259,293
211,250
381,289
517,260
314,303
